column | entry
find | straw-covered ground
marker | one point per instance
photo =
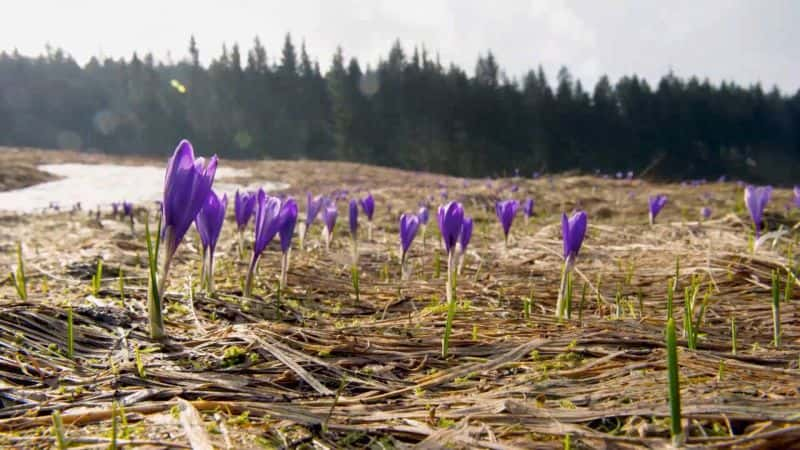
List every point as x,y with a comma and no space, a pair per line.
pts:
317,368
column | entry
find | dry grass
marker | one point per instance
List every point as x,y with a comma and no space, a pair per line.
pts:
316,369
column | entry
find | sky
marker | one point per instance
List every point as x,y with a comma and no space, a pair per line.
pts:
735,40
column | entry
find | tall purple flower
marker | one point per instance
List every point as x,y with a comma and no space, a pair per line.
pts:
506,210
209,225
756,199
243,205
267,225
527,207
656,203
187,183
705,212
287,218
450,218
573,230
186,186
313,205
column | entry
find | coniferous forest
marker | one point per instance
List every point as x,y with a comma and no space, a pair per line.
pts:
409,111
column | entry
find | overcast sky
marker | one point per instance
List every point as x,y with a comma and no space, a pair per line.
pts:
745,41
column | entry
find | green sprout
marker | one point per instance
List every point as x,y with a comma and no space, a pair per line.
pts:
70,335
676,430
155,312
58,431
19,275
776,310
97,278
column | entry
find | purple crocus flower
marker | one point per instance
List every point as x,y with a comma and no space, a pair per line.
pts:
266,221
656,203
573,231
114,209
756,199
127,209
210,219
506,210
186,186
287,218
465,234
329,214
266,226
209,224
464,237
527,207
368,206
409,224
705,211
243,206
450,219
423,215
313,205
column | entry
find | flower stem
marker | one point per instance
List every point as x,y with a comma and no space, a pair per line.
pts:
248,282
451,302
284,268
562,291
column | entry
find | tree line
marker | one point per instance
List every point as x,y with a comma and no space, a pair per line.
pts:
409,111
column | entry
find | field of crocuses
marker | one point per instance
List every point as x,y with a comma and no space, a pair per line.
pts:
366,307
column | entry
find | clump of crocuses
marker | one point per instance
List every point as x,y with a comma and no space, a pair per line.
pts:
187,184
656,204
243,206
756,199
506,210
368,206
209,225
409,224
573,230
